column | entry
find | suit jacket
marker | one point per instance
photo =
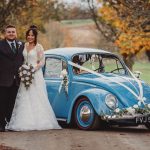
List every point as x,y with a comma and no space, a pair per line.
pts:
10,63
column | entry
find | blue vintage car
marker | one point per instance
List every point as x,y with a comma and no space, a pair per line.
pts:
94,88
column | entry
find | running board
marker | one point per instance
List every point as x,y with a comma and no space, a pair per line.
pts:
62,119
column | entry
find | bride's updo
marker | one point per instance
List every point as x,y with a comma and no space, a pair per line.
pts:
32,28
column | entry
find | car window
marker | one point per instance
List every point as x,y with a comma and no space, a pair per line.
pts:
53,67
89,61
99,63
113,65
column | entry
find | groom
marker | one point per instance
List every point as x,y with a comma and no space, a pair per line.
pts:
11,58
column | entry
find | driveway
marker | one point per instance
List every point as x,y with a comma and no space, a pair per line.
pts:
74,139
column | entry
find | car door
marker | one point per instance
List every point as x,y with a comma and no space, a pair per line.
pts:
57,95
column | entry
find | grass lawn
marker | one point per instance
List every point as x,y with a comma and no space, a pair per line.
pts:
143,67
78,22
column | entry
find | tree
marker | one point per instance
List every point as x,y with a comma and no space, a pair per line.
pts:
7,8
24,13
66,12
126,23
56,36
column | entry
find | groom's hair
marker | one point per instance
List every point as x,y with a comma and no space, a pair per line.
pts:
9,26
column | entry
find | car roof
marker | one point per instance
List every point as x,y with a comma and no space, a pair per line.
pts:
70,51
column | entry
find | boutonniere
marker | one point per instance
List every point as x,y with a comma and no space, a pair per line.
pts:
19,44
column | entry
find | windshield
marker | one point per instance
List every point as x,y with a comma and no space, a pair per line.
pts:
100,63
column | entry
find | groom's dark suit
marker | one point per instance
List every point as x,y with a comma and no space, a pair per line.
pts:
9,80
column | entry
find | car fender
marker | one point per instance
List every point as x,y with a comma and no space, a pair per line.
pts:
95,96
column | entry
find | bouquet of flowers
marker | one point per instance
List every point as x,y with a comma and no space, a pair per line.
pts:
64,76
26,73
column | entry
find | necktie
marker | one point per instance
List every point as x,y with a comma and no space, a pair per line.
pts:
13,48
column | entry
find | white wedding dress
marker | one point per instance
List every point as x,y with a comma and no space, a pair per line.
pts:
32,110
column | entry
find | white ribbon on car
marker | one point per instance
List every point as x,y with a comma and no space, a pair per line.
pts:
139,97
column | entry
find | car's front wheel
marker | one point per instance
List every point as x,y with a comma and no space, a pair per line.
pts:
147,125
85,115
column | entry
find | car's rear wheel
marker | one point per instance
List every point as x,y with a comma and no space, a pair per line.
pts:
85,115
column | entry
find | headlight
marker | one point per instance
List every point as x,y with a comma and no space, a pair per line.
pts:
111,101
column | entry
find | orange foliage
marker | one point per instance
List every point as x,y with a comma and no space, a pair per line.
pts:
130,39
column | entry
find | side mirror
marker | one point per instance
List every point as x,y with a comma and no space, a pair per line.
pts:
137,74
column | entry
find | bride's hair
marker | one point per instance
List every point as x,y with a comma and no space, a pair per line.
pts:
32,28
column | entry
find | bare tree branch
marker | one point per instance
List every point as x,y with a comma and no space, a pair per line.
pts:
105,29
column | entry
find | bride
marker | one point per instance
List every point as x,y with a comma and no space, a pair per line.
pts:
32,110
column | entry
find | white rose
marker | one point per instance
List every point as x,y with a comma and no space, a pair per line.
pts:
24,72
148,105
64,72
139,103
26,66
61,76
19,43
23,65
27,83
22,79
27,78
20,74
28,73
20,68
32,70
117,110
131,110
114,116
136,106
106,116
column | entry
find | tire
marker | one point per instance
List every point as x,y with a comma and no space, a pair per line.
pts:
147,125
85,115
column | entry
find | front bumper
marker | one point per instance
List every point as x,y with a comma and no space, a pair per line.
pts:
136,119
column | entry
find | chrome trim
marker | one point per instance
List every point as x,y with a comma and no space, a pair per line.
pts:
85,113
61,119
127,117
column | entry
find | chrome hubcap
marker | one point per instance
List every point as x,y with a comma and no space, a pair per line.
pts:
85,113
